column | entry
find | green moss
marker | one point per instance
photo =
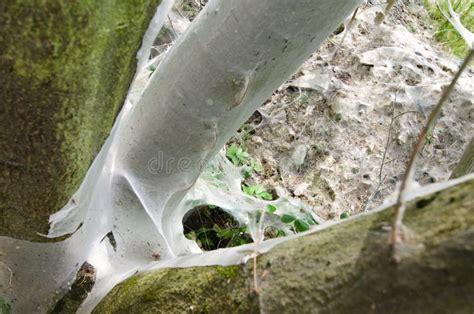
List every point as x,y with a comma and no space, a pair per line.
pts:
346,268
190,290
228,272
65,68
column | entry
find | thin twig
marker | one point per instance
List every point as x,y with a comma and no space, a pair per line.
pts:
397,225
349,26
273,113
11,274
258,239
381,15
387,143
172,27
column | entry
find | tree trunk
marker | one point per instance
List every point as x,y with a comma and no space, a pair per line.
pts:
346,268
65,68
466,163
235,54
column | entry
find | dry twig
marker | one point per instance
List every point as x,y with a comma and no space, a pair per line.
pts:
258,240
387,144
396,236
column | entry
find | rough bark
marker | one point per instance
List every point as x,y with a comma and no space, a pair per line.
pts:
346,268
466,163
65,67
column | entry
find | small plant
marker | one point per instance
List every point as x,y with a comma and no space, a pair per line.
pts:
299,224
245,131
219,237
271,209
345,215
238,155
257,191
152,69
212,228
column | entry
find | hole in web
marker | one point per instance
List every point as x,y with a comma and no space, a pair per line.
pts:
213,228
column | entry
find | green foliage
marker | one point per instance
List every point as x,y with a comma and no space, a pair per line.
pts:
151,68
257,191
287,218
299,224
212,228
255,166
345,215
446,33
228,272
271,209
240,157
5,308
219,237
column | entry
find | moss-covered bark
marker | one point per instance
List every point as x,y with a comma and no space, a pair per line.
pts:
65,67
346,268
466,163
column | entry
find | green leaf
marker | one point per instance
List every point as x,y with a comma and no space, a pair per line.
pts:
272,209
345,215
265,195
246,173
242,155
281,233
258,189
287,218
256,166
232,149
309,219
238,155
191,235
232,154
248,190
206,241
301,225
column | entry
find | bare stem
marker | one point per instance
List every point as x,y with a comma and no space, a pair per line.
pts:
395,237
387,143
258,239
349,26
